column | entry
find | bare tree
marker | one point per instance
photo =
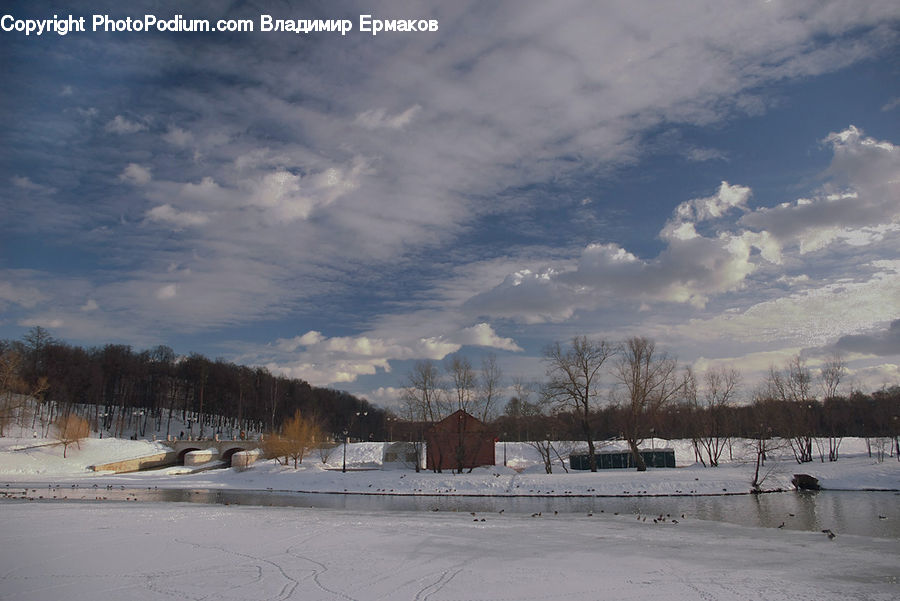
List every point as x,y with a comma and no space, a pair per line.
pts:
711,405
17,398
424,402
544,447
832,373
520,408
325,450
488,387
649,382
793,386
423,395
12,399
71,429
462,382
574,381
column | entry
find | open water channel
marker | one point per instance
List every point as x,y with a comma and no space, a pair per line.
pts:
843,512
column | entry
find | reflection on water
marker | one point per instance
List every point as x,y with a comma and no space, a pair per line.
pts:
863,513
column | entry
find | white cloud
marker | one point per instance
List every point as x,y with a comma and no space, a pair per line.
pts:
322,360
44,322
860,201
379,118
180,219
135,174
699,155
167,292
285,197
90,305
177,136
712,207
25,183
814,316
388,397
875,377
22,295
689,270
482,334
121,125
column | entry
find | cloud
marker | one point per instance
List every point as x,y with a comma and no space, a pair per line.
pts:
285,197
135,174
90,305
690,269
328,360
875,376
370,170
122,126
700,155
378,118
482,334
857,206
891,104
859,202
167,292
178,137
180,219
884,343
728,197
44,322
22,295
811,317
25,183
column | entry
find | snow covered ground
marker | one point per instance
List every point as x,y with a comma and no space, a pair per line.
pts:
27,460
135,550
142,551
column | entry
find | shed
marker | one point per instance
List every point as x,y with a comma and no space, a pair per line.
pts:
459,441
624,459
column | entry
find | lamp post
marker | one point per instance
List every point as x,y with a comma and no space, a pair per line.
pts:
347,432
504,449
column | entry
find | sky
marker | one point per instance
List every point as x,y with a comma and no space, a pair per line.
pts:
722,177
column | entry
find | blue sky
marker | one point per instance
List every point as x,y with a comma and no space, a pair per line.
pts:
722,177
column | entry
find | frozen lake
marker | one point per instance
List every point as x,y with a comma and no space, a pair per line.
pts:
163,551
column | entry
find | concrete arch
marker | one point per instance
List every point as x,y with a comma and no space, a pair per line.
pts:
183,452
227,454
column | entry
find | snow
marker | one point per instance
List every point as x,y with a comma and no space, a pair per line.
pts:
36,458
138,550
179,551
27,460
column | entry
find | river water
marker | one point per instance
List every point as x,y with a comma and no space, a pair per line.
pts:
849,512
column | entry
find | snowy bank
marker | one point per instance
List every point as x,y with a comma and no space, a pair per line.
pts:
25,460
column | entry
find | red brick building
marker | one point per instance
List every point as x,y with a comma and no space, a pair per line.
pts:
458,442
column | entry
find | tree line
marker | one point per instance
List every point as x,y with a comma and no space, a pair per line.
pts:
596,391
119,390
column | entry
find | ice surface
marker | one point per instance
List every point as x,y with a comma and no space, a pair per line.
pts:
123,551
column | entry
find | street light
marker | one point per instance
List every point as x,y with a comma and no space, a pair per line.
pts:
349,430
346,440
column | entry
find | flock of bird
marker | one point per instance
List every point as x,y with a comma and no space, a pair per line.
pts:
54,492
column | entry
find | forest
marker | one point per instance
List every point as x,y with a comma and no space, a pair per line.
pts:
591,391
123,390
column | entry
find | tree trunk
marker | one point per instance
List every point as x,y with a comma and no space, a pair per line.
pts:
636,453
